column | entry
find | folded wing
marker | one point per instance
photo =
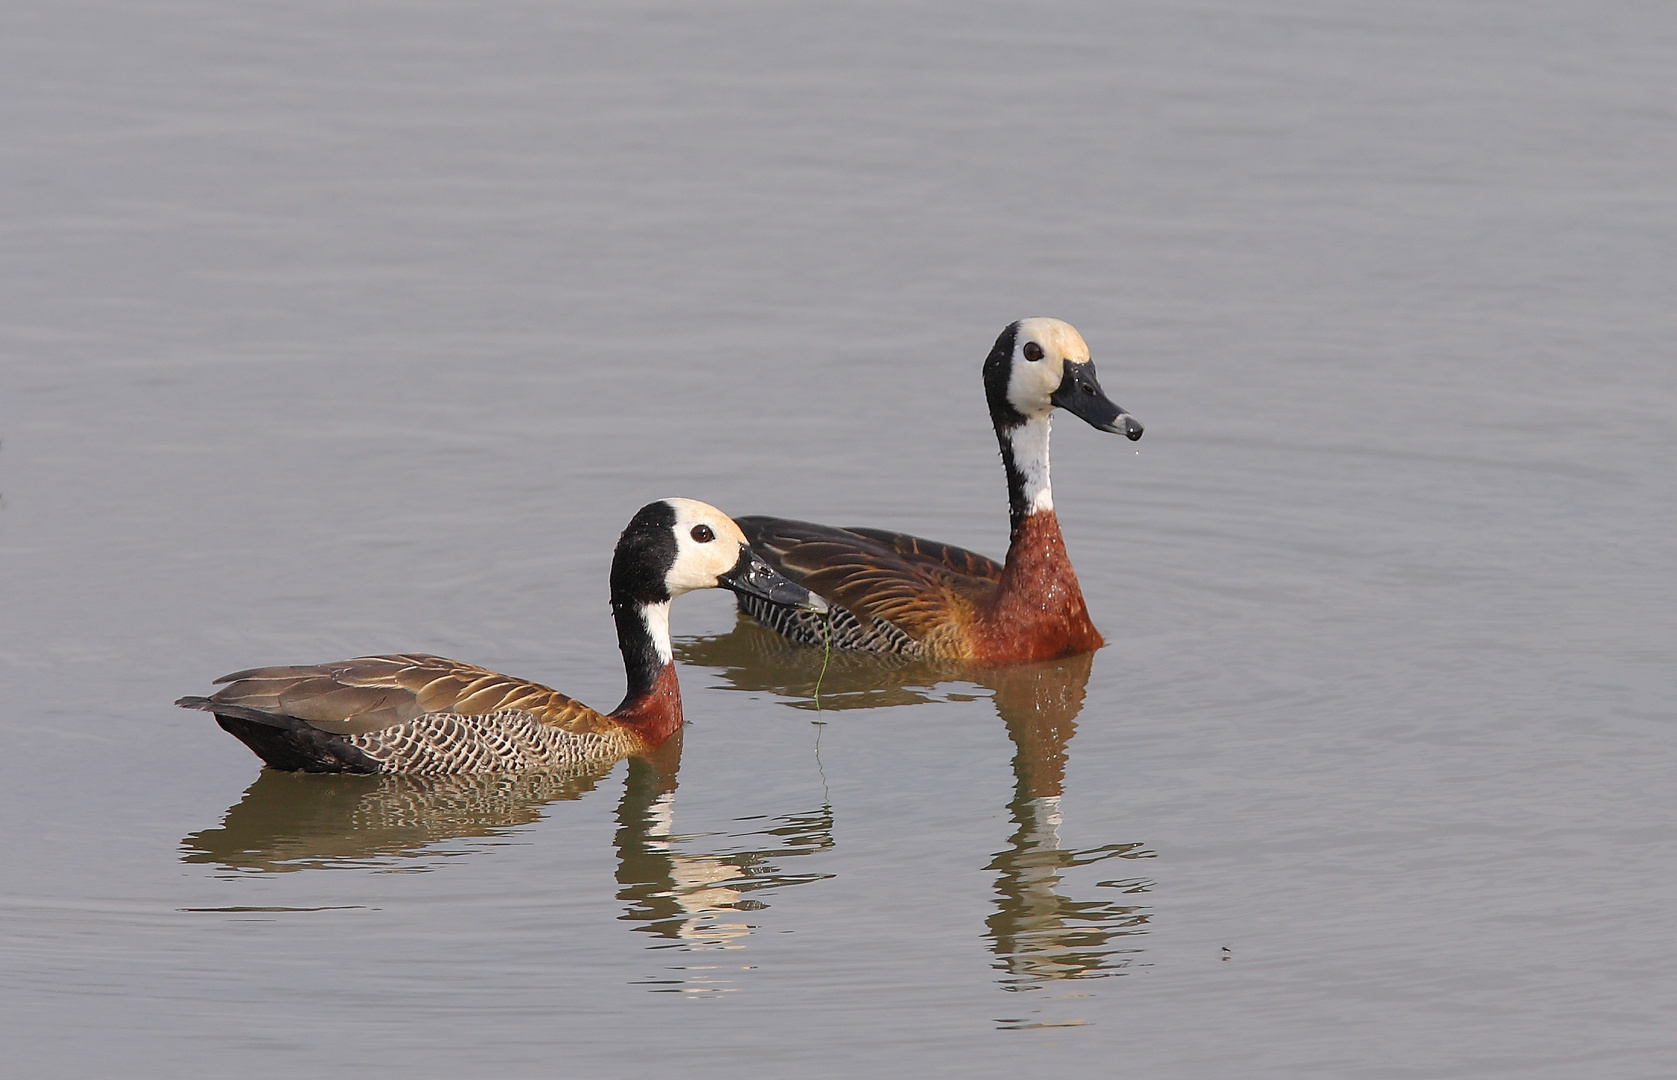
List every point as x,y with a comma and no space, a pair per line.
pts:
899,593
369,693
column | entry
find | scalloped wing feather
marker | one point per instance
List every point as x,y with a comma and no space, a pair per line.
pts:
959,560
926,589
369,693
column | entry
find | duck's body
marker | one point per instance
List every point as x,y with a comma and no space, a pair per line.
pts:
896,593
426,714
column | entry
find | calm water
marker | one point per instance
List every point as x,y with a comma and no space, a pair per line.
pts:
330,329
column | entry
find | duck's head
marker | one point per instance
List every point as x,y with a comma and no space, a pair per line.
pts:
674,546
1040,364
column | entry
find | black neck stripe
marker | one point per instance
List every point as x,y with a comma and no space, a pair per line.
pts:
645,554
998,372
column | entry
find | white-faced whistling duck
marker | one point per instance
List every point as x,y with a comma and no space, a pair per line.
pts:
425,714
895,593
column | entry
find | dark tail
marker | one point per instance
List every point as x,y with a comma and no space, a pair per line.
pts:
285,742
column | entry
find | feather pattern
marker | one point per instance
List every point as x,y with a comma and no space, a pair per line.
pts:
843,630
891,592
419,714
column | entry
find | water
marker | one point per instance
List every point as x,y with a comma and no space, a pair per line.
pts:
338,329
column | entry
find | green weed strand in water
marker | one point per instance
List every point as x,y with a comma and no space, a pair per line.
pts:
826,657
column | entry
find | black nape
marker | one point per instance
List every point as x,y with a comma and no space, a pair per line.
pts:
645,553
998,369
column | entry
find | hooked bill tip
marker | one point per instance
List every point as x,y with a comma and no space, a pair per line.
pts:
816,604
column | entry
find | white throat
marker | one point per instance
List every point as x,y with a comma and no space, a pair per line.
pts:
1030,457
657,620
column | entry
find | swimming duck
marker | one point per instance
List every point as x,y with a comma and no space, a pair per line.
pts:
895,593
413,713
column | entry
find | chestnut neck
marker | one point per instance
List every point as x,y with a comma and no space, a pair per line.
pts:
1037,563
1037,611
654,713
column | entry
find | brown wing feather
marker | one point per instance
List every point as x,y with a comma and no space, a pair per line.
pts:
960,560
917,585
352,697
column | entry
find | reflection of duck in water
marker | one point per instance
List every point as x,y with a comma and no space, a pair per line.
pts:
1037,933
700,899
754,659
295,821
895,593
674,886
425,714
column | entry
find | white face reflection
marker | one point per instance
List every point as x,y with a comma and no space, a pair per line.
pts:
1033,381
708,544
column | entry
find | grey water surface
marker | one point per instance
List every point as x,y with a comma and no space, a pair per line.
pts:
335,329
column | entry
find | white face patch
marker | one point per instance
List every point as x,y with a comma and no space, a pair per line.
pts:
1031,383
699,561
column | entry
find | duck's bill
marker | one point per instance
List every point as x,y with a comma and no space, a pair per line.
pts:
752,576
1081,395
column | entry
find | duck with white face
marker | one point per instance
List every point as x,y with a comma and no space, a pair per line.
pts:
415,713
1046,366
896,593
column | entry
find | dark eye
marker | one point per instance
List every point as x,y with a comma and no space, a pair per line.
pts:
702,534
1033,351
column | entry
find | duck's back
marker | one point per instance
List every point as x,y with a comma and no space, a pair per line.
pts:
891,592
409,713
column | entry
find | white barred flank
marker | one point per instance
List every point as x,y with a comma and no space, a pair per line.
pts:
506,741
846,629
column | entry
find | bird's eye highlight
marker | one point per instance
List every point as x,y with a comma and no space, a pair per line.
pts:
702,534
1033,351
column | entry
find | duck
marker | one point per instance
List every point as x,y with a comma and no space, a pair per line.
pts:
890,592
421,714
